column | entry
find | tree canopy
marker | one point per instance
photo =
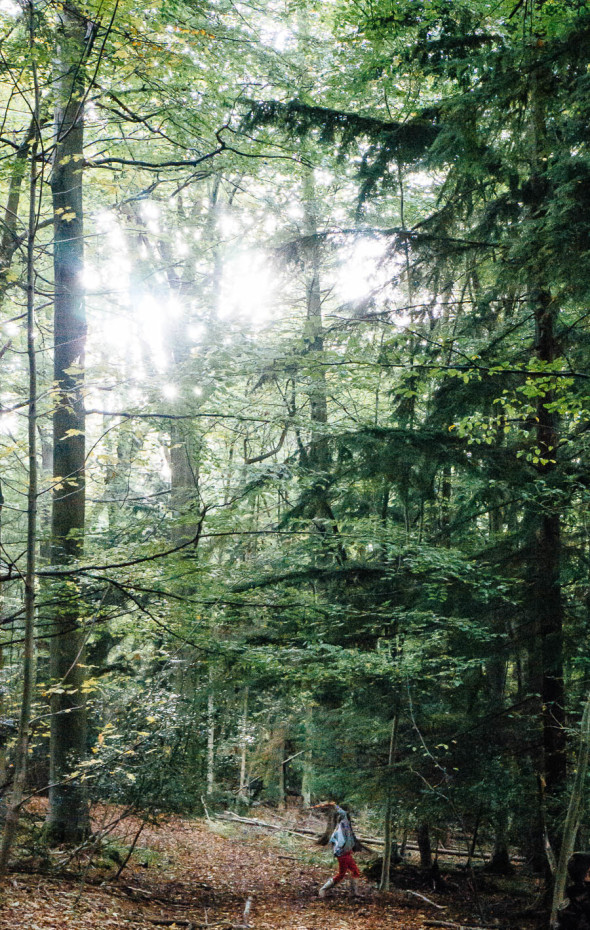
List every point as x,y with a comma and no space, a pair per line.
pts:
294,416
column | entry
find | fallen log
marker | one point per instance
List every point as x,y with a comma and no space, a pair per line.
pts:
459,853
230,817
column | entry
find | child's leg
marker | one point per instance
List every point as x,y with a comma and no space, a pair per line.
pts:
342,867
353,867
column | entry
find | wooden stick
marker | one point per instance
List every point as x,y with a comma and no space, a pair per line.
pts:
194,925
440,907
453,926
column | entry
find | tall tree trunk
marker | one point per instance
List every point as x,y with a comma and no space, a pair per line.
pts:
22,746
68,813
243,789
546,595
2,701
318,460
318,451
572,821
10,239
388,832
210,736
281,786
307,778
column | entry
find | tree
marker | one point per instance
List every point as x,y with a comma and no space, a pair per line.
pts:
30,581
68,813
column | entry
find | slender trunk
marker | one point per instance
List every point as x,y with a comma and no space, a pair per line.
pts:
547,588
183,482
68,813
386,866
423,836
318,459
307,779
184,474
2,696
445,506
318,451
572,821
545,517
44,503
22,747
10,239
281,794
473,843
210,737
244,746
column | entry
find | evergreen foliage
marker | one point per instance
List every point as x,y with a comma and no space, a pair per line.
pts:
364,513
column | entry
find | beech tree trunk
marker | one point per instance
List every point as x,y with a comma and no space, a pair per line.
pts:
68,813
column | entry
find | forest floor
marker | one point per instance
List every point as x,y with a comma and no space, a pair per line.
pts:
192,874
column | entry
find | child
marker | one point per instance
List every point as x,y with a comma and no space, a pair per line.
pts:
343,840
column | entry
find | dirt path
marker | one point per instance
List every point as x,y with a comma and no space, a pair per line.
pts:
193,874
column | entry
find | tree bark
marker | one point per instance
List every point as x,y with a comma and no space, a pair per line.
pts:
210,736
307,778
423,835
572,821
22,746
386,866
10,239
318,460
243,789
544,515
68,813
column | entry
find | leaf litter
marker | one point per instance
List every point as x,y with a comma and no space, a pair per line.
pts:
191,874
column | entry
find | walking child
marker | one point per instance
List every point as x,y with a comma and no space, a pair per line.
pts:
343,841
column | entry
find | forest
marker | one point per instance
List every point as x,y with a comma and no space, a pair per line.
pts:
294,446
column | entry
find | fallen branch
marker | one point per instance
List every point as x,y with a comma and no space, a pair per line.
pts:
440,907
233,818
130,851
194,924
130,890
453,926
459,853
170,922
365,840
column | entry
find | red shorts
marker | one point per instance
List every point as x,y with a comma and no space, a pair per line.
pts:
346,864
